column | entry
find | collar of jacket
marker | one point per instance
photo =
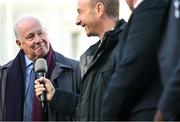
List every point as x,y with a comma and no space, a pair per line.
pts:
110,37
61,63
94,53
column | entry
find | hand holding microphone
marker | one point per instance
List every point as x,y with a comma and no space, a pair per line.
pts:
43,86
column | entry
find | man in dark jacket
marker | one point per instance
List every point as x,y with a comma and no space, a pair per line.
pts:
16,87
99,18
135,88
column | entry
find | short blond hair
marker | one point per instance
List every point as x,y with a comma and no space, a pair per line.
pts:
111,7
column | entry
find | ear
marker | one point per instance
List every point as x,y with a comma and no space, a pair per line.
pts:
100,9
18,42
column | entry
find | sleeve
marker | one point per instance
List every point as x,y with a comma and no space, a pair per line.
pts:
170,66
169,103
68,104
70,99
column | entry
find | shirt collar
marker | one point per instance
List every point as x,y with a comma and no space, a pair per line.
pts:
27,61
137,3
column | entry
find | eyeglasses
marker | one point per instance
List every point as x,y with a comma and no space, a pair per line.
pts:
32,35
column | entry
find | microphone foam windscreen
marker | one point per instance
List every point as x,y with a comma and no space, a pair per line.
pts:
40,65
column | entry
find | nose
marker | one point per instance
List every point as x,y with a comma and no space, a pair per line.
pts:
37,38
78,21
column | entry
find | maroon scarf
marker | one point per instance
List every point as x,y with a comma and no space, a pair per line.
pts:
37,110
14,90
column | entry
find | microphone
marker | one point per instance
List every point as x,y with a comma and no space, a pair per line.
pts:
41,69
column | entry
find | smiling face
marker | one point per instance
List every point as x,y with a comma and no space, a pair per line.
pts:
88,18
32,38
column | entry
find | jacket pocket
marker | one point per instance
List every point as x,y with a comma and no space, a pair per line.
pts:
106,75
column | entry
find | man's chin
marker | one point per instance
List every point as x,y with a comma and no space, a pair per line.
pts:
89,34
41,55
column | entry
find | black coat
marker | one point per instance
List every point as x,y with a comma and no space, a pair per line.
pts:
97,65
135,87
65,78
